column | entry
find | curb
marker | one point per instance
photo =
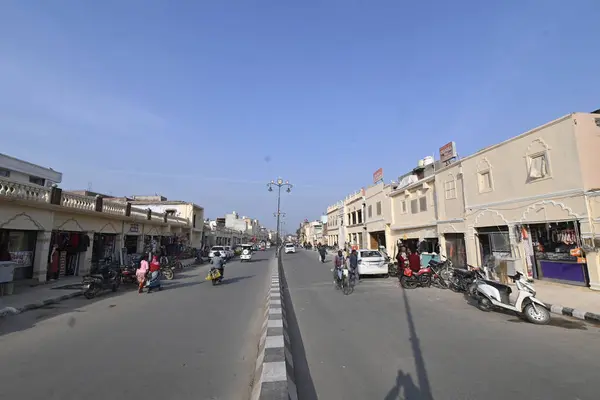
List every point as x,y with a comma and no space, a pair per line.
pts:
574,313
10,311
273,374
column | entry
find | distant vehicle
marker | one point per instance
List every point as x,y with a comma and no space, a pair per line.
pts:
246,253
229,251
372,262
220,249
290,248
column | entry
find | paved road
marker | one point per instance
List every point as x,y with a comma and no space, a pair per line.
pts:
382,342
174,344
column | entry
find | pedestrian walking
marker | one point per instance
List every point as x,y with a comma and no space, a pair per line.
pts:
140,274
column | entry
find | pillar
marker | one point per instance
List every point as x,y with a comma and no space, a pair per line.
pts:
140,244
85,258
593,266
42,252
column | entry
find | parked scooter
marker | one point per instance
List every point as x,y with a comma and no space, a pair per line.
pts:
492,294
107,278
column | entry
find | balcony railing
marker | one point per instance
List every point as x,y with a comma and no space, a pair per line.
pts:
22,191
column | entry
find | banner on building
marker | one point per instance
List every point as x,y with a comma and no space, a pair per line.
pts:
378,175
448,152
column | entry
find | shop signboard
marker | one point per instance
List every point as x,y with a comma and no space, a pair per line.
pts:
134,228
378,175
22,258
448,152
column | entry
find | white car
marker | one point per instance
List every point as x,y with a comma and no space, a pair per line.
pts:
290,248
246,253
220,249
372,262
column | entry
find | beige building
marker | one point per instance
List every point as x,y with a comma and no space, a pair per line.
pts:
335,224
354,219
413,210
85,230
378,216
532,199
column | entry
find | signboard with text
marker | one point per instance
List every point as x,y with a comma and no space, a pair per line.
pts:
448,152
378,175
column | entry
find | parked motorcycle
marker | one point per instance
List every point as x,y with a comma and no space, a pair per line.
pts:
425,277
492,294
107,278
214,275
128,274
462,280
167,272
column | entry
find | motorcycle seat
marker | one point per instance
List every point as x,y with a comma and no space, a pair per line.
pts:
500,286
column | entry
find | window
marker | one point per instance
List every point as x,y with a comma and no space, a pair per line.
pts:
194,221
370,211
4,173
378,206
538,166
37,181
450,189
403,207
423,203
414,206
485,181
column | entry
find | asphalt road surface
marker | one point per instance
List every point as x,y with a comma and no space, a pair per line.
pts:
189,341
382,342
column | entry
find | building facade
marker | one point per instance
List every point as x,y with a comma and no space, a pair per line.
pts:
378,217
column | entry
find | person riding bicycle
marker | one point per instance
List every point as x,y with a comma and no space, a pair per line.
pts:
353,264
338,263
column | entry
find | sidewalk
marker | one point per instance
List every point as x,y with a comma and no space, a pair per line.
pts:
573,301
27,297
31,297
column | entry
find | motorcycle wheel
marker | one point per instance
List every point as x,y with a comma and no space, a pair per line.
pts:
90,293
114,287
439,282
168,274
408,283
484,304
538,315
214,282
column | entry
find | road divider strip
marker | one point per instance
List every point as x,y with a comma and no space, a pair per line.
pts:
273,374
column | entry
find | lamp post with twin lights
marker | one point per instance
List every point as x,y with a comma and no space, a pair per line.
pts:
279,183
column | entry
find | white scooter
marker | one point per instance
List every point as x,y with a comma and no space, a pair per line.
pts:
492,294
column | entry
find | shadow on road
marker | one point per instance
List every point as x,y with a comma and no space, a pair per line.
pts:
404,382
405,389
228,281
169,286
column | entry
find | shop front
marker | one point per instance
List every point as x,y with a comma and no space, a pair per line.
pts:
425,240
18,246
554,252
494,244
456,250
65,251
377,240
105,248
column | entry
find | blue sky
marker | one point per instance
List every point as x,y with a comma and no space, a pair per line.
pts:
206,101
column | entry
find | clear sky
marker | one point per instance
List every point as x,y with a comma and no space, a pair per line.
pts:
206,101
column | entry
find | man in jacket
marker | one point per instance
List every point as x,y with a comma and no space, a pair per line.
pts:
353,264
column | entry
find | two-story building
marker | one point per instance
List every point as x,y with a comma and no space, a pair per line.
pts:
354,205
378,216
413,209
335,224
532,199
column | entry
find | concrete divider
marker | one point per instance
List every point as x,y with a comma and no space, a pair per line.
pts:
274,371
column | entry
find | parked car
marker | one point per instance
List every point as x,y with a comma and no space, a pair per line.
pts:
290,248
372,262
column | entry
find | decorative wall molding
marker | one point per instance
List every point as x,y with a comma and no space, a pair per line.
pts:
26,216
58,228
564,193
551,202
492,211
534,141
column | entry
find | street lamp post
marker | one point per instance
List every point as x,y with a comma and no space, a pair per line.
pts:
279,183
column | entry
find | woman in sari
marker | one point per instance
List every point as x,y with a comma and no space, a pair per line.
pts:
154,281
141,273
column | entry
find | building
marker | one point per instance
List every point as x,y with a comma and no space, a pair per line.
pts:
335,224
539,212
354,205
22,171
42,228
378,216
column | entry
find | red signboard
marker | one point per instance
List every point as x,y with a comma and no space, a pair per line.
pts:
447,152
378,175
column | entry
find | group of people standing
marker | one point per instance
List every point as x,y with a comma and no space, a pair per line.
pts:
408,258
148,274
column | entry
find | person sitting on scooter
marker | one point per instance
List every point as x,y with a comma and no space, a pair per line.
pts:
219,262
